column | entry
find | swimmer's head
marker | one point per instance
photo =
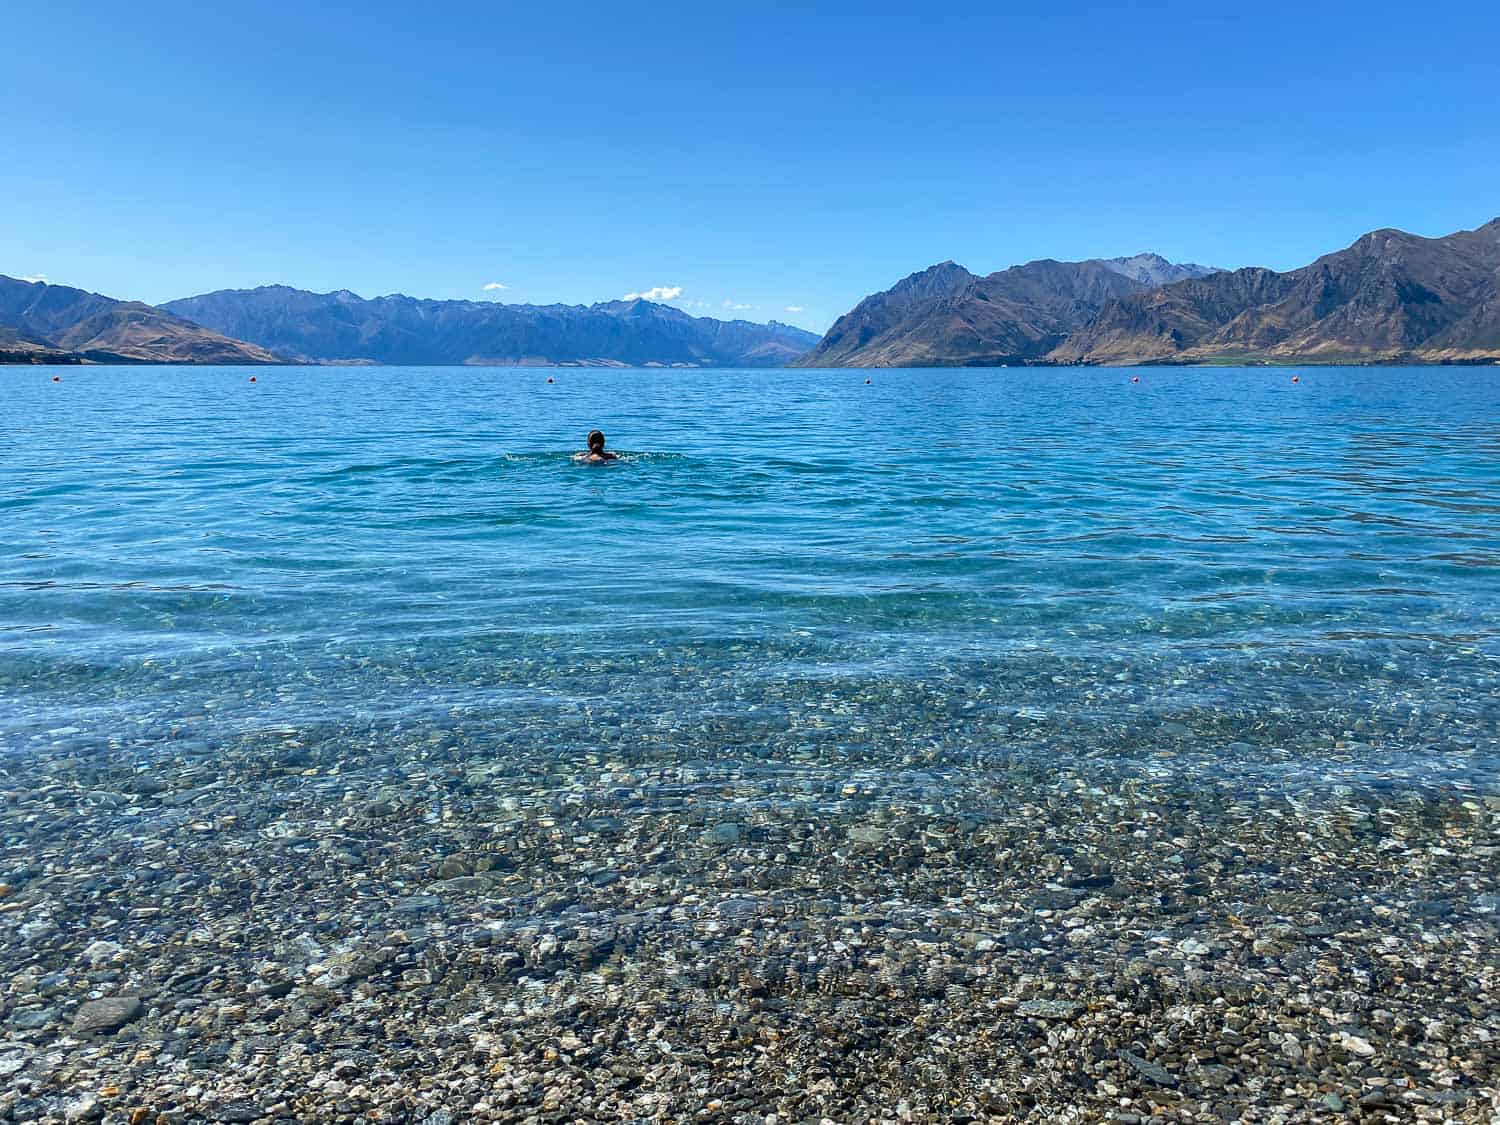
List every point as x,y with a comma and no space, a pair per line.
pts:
596,441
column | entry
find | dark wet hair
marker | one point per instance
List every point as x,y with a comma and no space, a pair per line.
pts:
596,436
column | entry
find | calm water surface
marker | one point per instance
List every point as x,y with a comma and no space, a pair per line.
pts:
1214,573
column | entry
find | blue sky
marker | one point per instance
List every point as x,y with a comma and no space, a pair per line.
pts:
758,157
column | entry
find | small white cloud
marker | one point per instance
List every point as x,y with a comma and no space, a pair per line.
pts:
492,286
655,293
795,308
737,306
37,278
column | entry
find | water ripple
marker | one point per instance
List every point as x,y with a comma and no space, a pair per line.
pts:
185,551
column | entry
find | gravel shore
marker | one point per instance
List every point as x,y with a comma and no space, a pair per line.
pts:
309,925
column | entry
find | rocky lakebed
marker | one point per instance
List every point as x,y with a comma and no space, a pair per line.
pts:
440,924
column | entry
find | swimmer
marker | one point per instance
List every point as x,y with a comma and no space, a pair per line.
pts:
596,454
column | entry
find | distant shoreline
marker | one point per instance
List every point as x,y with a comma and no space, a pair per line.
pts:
78,361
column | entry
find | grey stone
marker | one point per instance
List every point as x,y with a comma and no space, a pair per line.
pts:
1149,1070
724,835
85,1108
416,904
463,884
1050,1009
109,1014
33,1019
1217,1077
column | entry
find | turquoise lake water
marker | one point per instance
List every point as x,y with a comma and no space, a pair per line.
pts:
1212,572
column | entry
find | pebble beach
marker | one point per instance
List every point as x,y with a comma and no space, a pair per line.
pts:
261,933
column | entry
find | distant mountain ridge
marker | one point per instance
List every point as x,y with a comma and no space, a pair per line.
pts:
42,323
1389,297
947,316
342,327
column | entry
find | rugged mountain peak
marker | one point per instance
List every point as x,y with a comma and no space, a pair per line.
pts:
1152,269
943,278
945,315
1390,296
343,327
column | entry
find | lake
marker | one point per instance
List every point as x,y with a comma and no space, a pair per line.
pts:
956,690
394,546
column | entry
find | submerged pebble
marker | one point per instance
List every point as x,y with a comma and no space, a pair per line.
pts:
565,934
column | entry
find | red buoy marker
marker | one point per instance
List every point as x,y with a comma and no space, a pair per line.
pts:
252,378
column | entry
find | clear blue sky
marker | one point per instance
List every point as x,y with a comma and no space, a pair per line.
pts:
763,154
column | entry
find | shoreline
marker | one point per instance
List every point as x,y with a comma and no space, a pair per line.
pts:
613,366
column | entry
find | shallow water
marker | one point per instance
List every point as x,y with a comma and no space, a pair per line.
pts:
1011,745
1284,583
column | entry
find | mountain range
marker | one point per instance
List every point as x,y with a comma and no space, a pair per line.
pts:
41,323
946,316
341,327
1391,297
